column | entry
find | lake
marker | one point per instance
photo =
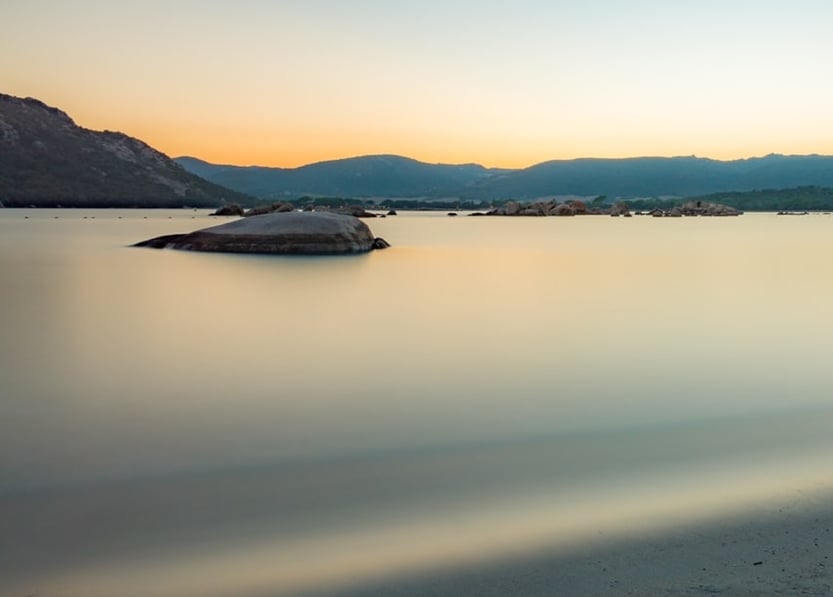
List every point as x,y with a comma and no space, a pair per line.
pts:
180,423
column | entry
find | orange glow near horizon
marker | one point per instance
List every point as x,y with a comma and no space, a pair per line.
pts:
286,84
248,145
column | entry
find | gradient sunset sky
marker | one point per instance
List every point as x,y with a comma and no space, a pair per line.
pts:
286,82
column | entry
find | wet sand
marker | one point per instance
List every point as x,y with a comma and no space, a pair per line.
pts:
781,549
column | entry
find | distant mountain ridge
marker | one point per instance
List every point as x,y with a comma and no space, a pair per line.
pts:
46,160
365,176
396,176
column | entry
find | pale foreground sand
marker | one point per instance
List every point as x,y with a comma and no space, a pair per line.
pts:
783,549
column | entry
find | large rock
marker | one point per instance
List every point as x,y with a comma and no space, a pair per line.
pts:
296,233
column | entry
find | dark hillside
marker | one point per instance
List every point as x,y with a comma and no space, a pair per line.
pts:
46,160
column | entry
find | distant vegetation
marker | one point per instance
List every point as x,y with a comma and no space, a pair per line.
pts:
797,199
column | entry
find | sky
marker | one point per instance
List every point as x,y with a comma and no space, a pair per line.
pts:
500,83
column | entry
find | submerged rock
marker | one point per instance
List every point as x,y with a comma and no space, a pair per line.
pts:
290,233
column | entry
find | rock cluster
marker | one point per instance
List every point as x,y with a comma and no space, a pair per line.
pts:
620,208
695,208
290,233
229,210
281,208
351,210
544,208
285,207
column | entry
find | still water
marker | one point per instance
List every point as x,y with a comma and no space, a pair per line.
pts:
177,423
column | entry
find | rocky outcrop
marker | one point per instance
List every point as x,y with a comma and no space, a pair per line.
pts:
695,208
704,208
562,209
620,208
279,207
543,208
49,161
356,211
291,233
229,210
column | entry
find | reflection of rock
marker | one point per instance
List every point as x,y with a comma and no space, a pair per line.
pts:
301,233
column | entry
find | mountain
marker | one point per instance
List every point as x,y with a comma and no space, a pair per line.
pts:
394,176
46,160
655,177
366,176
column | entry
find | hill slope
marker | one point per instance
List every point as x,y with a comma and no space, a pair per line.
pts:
46,160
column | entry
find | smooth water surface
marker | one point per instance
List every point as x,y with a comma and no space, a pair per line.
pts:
180,423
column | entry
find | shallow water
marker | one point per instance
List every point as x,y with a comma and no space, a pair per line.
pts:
193,424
